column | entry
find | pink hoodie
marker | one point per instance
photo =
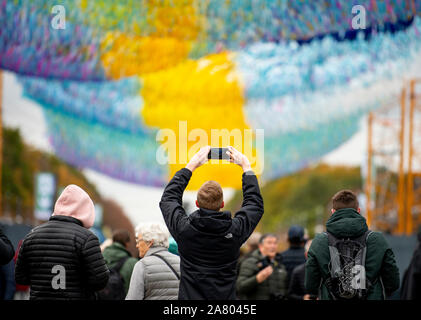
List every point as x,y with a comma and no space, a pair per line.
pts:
75,202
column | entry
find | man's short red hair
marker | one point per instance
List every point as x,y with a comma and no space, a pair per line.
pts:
210,196
345,199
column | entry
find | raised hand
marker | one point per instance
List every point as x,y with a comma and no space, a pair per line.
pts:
264,274
200,158
238,158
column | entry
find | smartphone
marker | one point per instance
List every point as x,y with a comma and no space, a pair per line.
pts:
218,153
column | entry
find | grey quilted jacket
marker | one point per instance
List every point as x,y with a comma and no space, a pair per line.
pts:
152,278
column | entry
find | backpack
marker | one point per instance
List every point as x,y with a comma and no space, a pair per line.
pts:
347,279
115,289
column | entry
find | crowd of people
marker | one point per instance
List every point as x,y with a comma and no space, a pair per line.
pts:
63,260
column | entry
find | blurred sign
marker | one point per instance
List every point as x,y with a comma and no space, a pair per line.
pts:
60,190
45,188
97,227
98,216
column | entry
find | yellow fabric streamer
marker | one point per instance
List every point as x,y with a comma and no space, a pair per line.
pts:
206,95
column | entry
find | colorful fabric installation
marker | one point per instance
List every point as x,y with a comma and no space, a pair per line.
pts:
122,72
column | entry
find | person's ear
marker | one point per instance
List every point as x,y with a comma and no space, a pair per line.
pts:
197,204
222,204
332,210
359,209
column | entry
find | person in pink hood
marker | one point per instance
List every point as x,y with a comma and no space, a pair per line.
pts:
61,259
75,202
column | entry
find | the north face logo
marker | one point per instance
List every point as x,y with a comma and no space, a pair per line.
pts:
228,235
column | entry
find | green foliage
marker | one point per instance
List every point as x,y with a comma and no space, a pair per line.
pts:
21,163
302,198
17,179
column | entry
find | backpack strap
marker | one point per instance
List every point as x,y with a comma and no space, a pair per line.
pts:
167,263
120,264
365,235
335,263
333,252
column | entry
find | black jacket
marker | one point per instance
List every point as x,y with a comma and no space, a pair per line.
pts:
297,290
292,258
64,242
209,241
6,249
411,283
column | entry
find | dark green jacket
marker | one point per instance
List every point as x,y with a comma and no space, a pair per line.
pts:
380,260
112,254
247,286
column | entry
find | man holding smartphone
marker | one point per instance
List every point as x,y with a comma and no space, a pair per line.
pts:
209,240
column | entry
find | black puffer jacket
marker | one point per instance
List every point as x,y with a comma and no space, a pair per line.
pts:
297,289
61,259
61,241
6,249
292,258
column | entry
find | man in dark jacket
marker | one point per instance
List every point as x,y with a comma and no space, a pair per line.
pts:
6,249
117,252
294,256
61,259
262,276
346,222
209,240
296,289
411,283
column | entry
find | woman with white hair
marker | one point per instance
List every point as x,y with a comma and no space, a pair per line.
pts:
156,276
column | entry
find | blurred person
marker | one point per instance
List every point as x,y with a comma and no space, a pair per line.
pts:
251,245
105,244
294,255
208,239
372,276
411,282
156,276
173,246
296,289
7,281
61,259
22,291
116,255
7,266
262,275
246,250
6,249
253,242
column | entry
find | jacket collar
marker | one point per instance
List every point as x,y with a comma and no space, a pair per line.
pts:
120,247
258,255
225,215
66,219
210,221
296,247
153,250
346,222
